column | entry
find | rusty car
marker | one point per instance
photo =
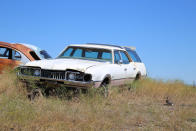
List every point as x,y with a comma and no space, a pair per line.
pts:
15,54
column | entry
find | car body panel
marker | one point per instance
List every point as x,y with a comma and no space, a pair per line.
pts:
140,67
63,64
6,63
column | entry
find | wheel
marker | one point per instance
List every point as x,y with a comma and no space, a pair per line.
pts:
138,77
50,91
34,94
104,89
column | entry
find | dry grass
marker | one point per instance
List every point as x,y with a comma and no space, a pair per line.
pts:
138,106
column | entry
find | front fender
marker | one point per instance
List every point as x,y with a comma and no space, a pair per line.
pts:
98,75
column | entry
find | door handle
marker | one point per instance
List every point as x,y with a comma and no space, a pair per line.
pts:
125,69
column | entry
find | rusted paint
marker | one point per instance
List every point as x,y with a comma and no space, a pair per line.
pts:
25,50
6,63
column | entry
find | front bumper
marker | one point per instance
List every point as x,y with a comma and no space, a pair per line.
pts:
54,82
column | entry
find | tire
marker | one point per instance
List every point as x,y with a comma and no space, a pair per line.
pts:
50,91
105,91
104,87
138,77
34,94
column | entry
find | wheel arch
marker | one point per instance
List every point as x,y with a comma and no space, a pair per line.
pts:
138,75
107,79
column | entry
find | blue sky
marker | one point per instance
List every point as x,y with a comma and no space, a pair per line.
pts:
163,31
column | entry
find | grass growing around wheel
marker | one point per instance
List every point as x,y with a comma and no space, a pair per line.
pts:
138,106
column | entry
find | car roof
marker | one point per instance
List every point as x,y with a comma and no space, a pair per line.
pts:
102,46
16,46
20,47
33,47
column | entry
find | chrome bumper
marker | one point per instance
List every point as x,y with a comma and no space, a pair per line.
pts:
50,81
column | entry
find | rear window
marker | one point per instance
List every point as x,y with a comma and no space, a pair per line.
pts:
33,54
134,56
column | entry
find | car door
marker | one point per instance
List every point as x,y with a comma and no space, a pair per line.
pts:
6,58
118,67
128,66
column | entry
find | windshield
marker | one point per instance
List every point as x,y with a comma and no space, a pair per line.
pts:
45,54
87,53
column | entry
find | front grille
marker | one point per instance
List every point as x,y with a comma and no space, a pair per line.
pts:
59,75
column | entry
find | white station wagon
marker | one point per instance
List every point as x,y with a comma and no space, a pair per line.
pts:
87,65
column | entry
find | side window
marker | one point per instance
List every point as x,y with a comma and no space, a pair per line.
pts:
116,57
5,53
124,57
16,55
134,56
106,56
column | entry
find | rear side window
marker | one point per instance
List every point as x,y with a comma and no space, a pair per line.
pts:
16,55
5,53
134,56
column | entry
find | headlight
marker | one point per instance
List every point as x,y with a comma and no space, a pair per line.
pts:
30,71
36,72
72,76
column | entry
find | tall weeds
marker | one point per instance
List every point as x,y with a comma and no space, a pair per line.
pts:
136,106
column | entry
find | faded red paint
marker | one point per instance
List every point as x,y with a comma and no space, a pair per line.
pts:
6,63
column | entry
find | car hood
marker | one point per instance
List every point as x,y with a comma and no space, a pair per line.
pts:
63,64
